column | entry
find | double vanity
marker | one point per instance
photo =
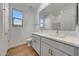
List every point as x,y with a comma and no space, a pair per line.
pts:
48,44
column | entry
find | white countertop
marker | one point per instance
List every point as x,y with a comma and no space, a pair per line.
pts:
74,41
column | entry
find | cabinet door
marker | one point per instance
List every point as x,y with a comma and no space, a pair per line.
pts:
38,46
58,53
36,43
46,50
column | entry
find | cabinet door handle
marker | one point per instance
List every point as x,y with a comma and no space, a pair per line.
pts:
50,52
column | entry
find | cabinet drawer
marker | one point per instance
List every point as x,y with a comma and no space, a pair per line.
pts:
61,46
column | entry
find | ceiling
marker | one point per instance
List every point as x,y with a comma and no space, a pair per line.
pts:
54,8
32,6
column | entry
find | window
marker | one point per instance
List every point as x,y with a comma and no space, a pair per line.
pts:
41,23
17,17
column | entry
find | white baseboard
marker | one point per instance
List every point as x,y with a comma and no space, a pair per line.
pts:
14,45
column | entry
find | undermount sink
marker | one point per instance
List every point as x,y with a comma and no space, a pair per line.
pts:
57,35
62,36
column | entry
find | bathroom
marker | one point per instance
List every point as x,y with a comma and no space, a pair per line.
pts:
49,29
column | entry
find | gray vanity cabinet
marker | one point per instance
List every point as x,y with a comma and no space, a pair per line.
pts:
36,43
50,47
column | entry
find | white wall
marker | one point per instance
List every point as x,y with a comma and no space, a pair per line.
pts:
18,35
36,20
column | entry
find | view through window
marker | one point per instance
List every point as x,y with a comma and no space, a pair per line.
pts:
17,17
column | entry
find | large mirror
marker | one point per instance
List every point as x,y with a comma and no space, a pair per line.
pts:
60,15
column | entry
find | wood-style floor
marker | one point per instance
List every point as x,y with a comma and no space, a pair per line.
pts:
22,50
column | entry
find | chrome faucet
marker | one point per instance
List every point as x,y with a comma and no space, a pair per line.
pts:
57,29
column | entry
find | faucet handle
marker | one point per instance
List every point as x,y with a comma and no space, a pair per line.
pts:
58,26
